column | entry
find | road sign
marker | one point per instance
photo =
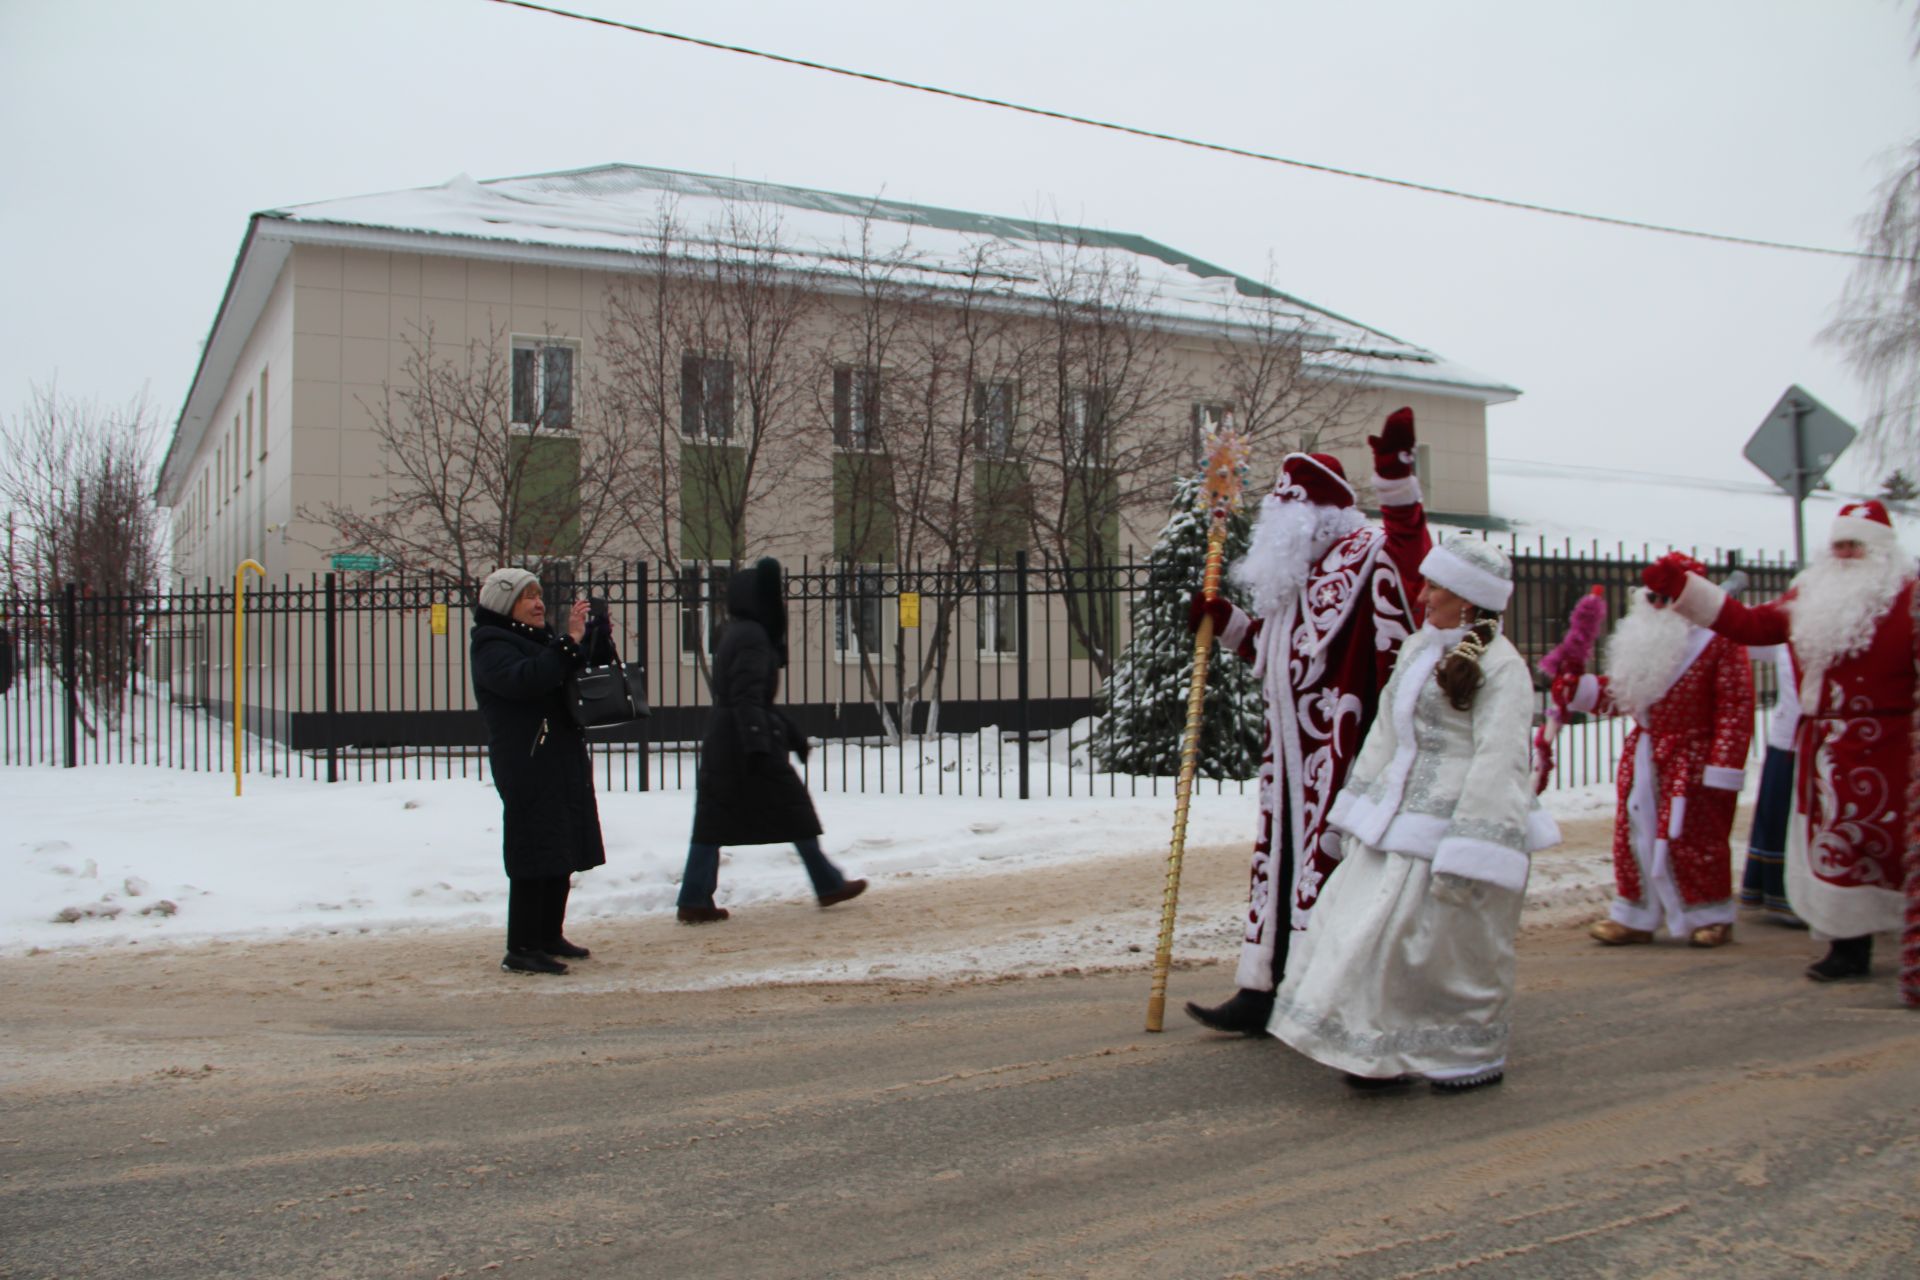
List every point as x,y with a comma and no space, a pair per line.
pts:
374,563
1794,445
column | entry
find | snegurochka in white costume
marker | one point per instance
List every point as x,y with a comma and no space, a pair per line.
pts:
1406,968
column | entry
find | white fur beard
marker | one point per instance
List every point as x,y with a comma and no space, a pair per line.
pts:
1643,655
1838,604
1288,538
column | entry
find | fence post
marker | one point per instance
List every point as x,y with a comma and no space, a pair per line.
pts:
1020,628
644,615
69,622
333,708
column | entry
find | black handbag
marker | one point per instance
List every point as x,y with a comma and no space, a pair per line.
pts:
613,694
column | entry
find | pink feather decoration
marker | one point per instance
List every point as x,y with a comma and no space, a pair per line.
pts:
1583,628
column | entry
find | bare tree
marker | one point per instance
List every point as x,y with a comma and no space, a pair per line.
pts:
1110,388
77,479
705,361
494,455
1878,320
1289,385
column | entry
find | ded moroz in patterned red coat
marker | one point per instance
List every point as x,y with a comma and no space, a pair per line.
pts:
1322,659
1680,773
1846,841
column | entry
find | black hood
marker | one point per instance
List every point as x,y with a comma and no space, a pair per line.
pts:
760,594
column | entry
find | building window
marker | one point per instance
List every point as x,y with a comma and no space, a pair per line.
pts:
542,384
999,628
703,605
1207,416
993,410
1088,424
706,397
856,408
856,610
249,453
263,415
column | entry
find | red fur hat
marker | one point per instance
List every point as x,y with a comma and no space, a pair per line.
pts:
1317,478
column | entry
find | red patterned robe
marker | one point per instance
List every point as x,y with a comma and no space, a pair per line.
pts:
1680,773
1322,664
1846,841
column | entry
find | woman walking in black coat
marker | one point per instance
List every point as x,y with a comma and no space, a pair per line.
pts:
550,822
747,792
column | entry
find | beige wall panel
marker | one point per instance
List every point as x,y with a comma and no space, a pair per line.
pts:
363,360
316,358
403,319
316,407
363,315
487,322
361,406
316,310
365,270
489,282
403,273
318,266
442,276
446,320
564,287
528,285
360,455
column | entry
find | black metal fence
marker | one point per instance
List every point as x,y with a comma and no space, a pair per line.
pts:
978,681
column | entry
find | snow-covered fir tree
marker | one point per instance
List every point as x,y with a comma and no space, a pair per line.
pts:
1144,708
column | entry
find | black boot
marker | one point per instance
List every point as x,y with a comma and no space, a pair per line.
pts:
1245,1014
528,961
1376,1084
1845,958
561,949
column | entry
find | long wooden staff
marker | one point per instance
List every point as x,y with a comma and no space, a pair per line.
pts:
1226,455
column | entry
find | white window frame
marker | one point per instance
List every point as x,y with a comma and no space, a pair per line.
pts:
865,393
539,345
998,607
854,573
995,439
709,611
706,362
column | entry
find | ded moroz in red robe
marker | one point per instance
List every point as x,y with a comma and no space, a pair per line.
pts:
1680,773
1322,662
1847,834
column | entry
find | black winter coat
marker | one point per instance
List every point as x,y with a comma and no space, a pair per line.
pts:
551,824
748,792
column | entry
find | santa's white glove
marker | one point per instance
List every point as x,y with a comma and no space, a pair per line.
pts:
1459,891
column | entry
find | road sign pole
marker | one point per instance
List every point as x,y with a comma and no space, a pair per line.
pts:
1800,412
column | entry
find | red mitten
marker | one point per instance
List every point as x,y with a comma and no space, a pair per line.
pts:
1667,576
1393,447
1565,686
1217,608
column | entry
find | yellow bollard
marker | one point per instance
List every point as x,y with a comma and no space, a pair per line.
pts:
240,657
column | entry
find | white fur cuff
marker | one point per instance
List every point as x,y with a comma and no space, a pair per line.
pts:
1700,601
1721,778
1586,694
1403,492
1237,625
1482,860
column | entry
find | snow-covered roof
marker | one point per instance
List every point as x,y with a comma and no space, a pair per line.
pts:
608,218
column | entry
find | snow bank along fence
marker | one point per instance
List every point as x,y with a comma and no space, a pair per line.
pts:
984,680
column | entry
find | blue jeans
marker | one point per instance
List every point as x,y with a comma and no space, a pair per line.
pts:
702,874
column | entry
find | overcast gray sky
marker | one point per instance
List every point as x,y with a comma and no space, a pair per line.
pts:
139,137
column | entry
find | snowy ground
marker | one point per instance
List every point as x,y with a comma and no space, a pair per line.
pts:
118,854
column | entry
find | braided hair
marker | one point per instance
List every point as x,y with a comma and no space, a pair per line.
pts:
1458,674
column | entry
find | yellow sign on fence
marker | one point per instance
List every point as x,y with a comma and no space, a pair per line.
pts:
909,609
439,619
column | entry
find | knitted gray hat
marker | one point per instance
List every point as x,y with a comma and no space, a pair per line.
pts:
502,587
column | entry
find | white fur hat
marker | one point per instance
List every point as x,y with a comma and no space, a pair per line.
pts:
502,587
1473,569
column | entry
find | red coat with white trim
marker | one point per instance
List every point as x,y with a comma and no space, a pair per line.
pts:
1853,745
1698,733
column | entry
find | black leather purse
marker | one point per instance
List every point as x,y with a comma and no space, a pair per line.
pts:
613,694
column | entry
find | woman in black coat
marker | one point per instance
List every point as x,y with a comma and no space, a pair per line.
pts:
550,822
747,792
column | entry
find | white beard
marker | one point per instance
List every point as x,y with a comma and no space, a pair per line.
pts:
1643,655
1839,603
1289,537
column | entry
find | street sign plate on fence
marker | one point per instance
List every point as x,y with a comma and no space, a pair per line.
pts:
373,563
439,616
909,610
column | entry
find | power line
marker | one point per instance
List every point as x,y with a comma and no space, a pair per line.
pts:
1221,148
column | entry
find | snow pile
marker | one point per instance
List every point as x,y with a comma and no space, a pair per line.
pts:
117,853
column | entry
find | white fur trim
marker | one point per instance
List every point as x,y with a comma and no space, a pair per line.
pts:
1482,860
1676,817
1237,627
1721,778
1324,470
1542,831
1700,601
1467,580
1417,835
1586,694
1860,529
1403,492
